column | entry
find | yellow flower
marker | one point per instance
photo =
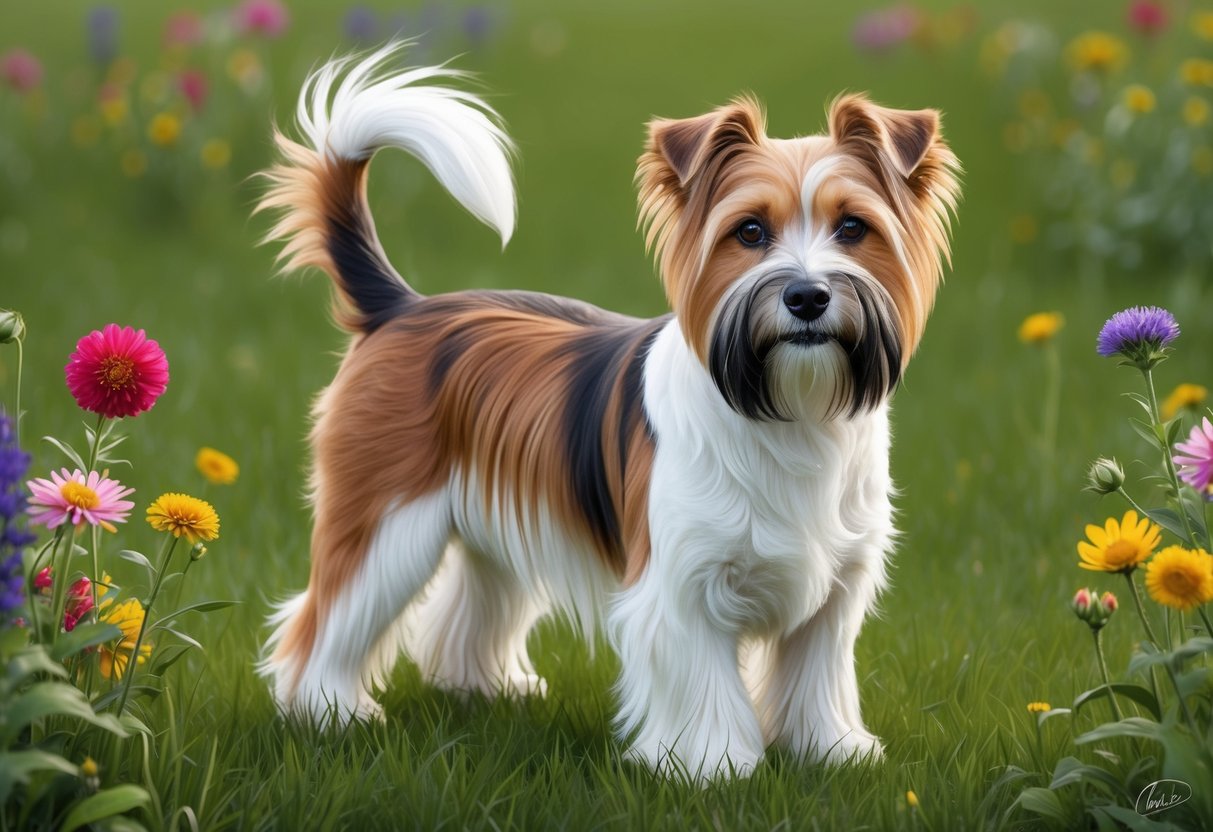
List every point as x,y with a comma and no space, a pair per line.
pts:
1041,327
182,515
216,466
1119,547
127,617
1184,395
1195,111
114,109
911,799
1202,25
134,163
164,129
1180,578
1138,98
1197,72
1096,51
1038,707
89,767
216,153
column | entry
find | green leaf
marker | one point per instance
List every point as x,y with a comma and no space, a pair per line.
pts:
187,639
1137,693
1049,714
110,697
104,804
1194,681
139,558
1133,726
1148,657
1070,770
1042,802
1169,520
17,766
84,636
1142,401
1146,431
30,661
201,606
1133,821
47,699
1172,431
67,451
169,657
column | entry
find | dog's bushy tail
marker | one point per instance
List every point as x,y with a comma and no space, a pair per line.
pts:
349,109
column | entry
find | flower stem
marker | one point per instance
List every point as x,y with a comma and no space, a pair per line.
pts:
92,453
17,419
33,573
1052,404
1172,476
1103,670
1204,616
133,663
1141,610
1133,503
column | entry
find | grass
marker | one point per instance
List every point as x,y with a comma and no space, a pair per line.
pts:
974,627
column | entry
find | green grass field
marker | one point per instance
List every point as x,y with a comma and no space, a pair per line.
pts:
976,623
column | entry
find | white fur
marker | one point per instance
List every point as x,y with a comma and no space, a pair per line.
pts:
455,134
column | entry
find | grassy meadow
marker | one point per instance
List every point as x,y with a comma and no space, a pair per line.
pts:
976,623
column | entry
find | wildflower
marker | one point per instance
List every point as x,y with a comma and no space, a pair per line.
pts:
1119,547
182,515
361,25
1040,327
1039,707
1180,578
117,372
1202,25
216,466
1096,52
216,153
1109,602
198,552
112,103
194,87
884,29
79,499
44,579
478,22
268,18
1195,111
1183,396
1093,610
12,584
1195,462
1197,72
12,326
102,30
89,767
164,129
79,603
1081,602
127,617
1138,99
1148,17
1139,334
183,29
245,69
1105,476
20,70
911,799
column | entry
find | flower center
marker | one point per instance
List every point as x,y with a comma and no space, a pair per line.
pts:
79,495
1120,553
116,373
1179,584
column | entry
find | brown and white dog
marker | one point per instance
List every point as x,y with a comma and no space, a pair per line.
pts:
712,484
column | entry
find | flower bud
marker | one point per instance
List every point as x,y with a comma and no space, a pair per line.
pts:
1105,476
1109,603
198,552
12,326
1081,603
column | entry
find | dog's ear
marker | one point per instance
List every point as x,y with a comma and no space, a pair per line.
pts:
679,149
904,137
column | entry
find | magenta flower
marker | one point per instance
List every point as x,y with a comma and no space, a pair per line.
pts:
117,372
20,70
884,29
194,87
79,603
1195,459
183,29
77,499
268,18
1147,17
43,580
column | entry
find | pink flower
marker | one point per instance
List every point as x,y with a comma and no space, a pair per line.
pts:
183,29
1195,459
1148,17
42,580
79,603
1109,602
78,499
1082,600
268,18
194,87
21,70
117,372
884,29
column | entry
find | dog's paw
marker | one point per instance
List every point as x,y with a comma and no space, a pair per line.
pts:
853,747
733,764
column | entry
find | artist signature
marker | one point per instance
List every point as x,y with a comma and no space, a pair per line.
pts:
1162,794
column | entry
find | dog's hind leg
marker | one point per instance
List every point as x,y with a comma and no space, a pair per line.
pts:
328,639
468,632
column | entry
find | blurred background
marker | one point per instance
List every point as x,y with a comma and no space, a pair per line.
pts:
131,135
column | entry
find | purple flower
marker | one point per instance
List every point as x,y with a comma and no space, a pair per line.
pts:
883,29
361,24
478,24
13,465
101,27
1139,334
1195,459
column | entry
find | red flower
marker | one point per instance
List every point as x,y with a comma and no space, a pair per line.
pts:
268,18
117,372
194,87
20,70
1148,17
43,579
79,603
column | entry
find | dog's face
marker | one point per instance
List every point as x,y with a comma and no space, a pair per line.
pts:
802,271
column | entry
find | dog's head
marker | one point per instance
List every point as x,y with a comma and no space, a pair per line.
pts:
801,270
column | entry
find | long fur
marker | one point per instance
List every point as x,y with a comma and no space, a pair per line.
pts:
712,484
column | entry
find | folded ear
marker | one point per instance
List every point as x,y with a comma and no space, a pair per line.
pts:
905,135
685,147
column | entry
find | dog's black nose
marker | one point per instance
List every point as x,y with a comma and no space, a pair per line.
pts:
806,300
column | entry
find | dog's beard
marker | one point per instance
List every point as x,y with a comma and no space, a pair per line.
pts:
770,367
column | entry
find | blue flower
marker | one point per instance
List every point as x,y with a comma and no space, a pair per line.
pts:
13,465
1139,334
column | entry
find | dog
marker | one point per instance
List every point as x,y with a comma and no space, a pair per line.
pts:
710,486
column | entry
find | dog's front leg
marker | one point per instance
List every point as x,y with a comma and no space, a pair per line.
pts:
810,699
682,702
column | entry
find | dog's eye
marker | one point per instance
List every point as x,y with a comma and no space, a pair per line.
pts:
752,233
851,229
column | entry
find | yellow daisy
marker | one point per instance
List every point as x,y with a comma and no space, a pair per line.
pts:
216,466
1096,51
127,617
1041,327
1180,578
1138,99
1119,547
184,516
1038,707
1184,395
164,129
